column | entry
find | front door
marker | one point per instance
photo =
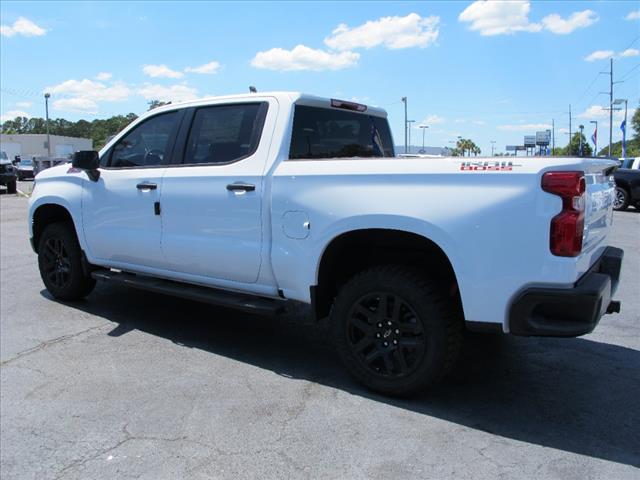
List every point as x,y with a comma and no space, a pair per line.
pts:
120,215
212,201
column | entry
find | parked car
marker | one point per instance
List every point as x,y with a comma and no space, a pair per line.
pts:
632,163
7,173
260,201
627,188
40,164
24,169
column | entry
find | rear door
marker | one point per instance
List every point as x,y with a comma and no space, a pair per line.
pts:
121,222
212,200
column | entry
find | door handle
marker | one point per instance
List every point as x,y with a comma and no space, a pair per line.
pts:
241,187
146,186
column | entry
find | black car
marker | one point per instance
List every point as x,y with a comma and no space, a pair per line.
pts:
627,188
7,173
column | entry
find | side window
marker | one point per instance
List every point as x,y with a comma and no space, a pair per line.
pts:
332,133
146,145
224,133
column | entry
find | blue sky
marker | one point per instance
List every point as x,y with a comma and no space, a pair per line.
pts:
483,70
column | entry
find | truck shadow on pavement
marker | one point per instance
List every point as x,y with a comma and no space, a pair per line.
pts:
575,395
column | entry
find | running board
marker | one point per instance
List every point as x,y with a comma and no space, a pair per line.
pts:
237,301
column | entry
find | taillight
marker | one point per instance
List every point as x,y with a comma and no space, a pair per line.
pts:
568,226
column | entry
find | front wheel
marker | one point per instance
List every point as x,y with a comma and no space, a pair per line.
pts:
621,199
60,263
395,331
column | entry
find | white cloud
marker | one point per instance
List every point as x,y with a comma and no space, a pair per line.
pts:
207,68
91,90
103,76
161,71
304,58
432,120
12,114
84,95
503,17
22,26
594,111
633,15
629,52
172,93
76,104
525,127
499,17
606,54
392,32
24,104
599,55
558,25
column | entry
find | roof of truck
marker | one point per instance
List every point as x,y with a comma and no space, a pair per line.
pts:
286,98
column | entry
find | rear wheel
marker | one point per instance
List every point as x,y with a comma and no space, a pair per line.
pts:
60,263
395,331
621,199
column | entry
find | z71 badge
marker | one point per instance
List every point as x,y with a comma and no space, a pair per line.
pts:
488,166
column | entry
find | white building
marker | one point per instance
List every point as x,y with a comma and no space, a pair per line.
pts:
31,145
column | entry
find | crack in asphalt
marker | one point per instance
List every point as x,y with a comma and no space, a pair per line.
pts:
48,343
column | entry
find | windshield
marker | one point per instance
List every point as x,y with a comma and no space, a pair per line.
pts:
26,163
3,156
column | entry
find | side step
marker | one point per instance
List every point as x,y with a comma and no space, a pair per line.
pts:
238,301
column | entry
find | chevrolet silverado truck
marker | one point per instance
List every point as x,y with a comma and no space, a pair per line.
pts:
259,201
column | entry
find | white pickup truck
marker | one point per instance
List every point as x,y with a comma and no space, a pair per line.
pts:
254,201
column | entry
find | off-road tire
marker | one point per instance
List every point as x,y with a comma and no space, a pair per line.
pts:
423,306
60,263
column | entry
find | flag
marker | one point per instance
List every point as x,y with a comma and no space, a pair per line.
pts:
376,140
594,137
623,127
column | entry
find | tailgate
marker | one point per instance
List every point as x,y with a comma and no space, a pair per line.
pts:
599,203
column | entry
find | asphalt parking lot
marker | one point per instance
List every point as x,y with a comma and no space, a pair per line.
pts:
129,384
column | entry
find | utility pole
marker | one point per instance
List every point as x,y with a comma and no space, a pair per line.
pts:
406,144
569,129
46,107
610,104
409,122
424,128
493,147
553,137
624,132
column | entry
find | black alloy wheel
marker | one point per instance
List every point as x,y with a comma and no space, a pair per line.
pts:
56,263
385,335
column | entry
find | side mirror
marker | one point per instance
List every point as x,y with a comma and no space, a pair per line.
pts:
89,161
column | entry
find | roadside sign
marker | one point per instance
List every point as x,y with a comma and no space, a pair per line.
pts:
543,138
529,140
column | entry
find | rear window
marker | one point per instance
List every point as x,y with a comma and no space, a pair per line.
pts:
332,133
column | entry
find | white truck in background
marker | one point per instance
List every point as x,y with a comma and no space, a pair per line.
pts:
257,200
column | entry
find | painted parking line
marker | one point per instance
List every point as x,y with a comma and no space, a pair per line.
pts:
25,195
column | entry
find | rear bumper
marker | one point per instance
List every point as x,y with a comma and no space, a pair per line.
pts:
556,312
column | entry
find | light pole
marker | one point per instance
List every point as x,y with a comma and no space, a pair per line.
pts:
595,139
46,109
623,127
493,146
409,122
581,127
404,100
424,129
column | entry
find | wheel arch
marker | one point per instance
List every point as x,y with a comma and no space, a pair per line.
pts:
353,251
45,214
